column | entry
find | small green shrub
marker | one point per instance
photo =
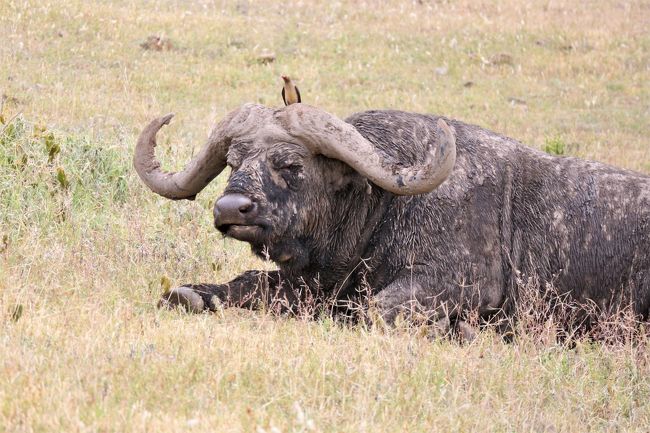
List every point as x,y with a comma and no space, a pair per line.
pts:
43,172
555,146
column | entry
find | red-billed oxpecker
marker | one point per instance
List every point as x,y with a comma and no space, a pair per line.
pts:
290,92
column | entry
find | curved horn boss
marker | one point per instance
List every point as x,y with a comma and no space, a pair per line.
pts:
200,171
318,130
332,137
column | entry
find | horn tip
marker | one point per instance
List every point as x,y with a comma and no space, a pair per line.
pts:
446,129
166,119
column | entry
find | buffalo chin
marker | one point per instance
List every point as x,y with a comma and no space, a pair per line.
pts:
290,254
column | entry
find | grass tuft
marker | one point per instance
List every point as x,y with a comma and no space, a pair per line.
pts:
555,146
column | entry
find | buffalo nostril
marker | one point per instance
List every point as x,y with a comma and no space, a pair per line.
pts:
234,209
248,207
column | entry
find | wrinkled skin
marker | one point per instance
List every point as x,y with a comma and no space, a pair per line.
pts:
506,212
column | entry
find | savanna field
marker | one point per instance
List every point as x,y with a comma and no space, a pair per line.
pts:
86,250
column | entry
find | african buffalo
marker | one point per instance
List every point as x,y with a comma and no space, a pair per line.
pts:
432,214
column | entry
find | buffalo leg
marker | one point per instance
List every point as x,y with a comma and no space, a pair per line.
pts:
406,297
251,289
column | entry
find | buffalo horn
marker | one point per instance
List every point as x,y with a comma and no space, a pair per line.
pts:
196,175
334,138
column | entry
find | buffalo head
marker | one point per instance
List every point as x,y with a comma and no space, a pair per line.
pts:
288,167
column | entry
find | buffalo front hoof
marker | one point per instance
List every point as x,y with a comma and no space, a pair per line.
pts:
183,297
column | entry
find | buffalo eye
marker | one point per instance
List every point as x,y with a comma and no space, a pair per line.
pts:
284,165
289,172
290,168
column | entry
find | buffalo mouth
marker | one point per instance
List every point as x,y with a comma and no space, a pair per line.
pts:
252,233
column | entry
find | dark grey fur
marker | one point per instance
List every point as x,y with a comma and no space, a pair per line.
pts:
507,212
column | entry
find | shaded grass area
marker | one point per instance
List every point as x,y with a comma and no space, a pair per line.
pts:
84,247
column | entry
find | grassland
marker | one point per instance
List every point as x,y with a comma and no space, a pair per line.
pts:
83,245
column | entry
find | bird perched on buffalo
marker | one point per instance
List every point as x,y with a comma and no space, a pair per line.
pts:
290,92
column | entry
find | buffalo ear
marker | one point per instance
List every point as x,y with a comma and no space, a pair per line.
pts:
340,175
342,182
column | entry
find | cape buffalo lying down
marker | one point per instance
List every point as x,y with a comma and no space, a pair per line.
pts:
434,216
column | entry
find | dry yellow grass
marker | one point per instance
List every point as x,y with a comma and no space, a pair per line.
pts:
91,353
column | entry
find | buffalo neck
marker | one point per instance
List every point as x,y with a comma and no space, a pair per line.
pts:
338,250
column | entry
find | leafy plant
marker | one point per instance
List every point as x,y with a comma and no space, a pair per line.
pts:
52,147
555,146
